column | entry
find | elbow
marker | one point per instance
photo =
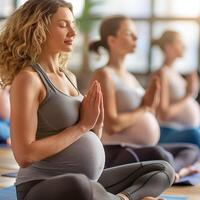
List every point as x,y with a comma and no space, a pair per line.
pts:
23,162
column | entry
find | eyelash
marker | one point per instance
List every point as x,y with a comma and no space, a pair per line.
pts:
67,25
63,25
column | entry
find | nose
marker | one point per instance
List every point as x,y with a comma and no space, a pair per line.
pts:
135,37
72,32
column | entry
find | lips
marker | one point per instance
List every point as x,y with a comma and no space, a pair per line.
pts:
68,42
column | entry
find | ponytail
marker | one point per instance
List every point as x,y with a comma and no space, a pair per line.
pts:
94,46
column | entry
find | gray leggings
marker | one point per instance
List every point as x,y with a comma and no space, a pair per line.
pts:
136,180
178,155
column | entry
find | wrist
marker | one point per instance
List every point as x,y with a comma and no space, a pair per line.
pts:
149,109
146,108
82,128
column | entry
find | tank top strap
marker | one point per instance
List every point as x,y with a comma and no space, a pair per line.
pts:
69,79
47,83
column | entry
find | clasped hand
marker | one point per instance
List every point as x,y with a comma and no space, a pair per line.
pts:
92,111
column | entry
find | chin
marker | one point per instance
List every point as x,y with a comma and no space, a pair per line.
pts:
132,50
67,50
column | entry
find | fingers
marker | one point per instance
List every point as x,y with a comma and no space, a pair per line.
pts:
93,99
102,106
97,97
90,107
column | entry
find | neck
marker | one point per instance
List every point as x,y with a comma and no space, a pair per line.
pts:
49,61
116,61
169,60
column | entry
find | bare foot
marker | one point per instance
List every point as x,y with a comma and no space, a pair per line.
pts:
177,177
186,171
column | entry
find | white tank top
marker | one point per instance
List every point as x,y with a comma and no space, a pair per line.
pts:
129,94
189,116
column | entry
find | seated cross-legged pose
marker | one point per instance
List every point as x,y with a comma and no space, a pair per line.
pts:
55,131
178,111
129,109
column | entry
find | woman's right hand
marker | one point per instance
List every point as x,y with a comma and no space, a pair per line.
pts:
90,107
192,84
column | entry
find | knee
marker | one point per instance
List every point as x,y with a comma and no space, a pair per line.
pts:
79,183
192,151
161,154
168,170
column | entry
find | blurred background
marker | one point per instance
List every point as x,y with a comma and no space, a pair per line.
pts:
151,17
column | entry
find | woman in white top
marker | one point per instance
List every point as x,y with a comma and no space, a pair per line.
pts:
129,109
178,111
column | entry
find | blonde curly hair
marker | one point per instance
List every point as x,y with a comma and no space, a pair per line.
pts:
23,34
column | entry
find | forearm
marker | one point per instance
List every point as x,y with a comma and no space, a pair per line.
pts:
173,108
124,120
49,146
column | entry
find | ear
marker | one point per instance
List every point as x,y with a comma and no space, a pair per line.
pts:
111,40
167,48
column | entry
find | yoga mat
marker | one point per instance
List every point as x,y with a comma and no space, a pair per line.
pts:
10,174
8,193
173,197
4,145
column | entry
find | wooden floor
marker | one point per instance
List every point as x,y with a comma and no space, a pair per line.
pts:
8,164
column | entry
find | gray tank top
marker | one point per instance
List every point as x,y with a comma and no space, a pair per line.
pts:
57,112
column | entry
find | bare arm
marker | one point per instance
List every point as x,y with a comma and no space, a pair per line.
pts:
114,121
166,109
25,99
192,84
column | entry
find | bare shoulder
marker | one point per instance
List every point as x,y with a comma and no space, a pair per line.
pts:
26,79
102,74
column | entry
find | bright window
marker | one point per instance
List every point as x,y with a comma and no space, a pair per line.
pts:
190,35
177,8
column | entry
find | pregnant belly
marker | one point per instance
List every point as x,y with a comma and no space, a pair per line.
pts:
189,115
85,156
145,131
